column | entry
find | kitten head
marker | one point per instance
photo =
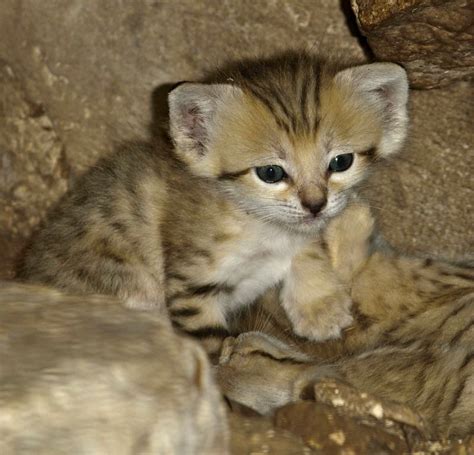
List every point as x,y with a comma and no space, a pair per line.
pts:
289,138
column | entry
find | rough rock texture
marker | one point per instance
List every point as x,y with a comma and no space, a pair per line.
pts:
432,39
324,429
85,375
425,196
327,430
258,435
34,171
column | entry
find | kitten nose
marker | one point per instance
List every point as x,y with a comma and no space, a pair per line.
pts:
313,206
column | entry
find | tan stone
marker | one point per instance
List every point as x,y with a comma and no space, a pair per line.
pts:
355,403
432,39
34,171
257,435
325,430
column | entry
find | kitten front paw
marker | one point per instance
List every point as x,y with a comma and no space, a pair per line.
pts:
323,320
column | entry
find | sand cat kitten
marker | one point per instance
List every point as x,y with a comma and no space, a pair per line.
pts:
263,155
412,341
87,376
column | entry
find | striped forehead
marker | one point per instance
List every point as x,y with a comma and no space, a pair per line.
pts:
292,98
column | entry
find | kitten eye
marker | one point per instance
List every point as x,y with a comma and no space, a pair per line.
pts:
341,163
271,173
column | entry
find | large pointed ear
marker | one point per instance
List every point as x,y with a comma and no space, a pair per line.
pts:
384,86
194,110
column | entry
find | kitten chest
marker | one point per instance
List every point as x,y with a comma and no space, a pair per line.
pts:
253,263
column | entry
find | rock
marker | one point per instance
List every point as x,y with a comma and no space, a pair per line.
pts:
465,447
325,430
85,375
330,429
355,403
257,435
425,196
432,39
33,169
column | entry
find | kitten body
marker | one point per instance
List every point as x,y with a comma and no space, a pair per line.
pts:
83,375
262,157
412,340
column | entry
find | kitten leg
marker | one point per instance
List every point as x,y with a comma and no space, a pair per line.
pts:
315,295
316,302
200,316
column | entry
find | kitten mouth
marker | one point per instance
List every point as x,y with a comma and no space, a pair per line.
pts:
311,222
311,219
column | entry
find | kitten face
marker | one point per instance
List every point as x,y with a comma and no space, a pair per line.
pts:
289,150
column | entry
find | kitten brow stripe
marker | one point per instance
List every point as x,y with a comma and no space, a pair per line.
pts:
370,153
233,175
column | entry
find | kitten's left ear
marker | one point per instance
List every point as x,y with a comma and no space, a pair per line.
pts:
194,110
384,86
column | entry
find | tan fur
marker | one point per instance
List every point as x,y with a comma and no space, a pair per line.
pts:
324,303
412,340
83,375
191,228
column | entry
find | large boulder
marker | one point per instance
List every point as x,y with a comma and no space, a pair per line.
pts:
432,39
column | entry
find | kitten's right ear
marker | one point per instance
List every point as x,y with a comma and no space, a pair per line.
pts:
385,87
194,111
